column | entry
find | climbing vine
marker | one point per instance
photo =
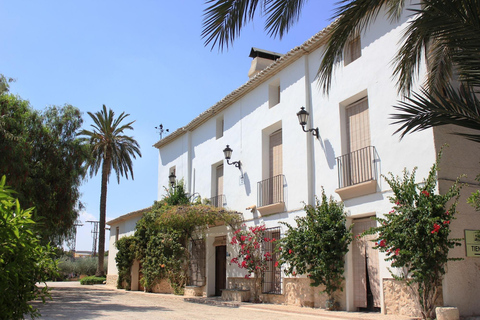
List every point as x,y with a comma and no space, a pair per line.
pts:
162,235
124,260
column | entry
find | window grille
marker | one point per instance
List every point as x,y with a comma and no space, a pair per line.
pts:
272,276
197,263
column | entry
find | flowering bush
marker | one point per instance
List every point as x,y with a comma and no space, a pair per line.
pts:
318,245
250,254
414,235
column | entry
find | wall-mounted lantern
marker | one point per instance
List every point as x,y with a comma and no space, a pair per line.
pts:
228,154
172,178
303,119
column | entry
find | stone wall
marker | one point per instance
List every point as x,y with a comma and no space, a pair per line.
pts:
296,291
194,291
402,300
162,287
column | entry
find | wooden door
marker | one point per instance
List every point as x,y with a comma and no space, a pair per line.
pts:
366,277
220,269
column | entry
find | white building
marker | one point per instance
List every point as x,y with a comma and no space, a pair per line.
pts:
282,167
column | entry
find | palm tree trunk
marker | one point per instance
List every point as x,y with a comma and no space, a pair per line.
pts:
103,210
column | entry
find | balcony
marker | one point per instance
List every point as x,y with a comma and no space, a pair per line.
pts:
270,195
218,201
357,173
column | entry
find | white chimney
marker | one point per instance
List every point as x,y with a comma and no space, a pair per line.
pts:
261,60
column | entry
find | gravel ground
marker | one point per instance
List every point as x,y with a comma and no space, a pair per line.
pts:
72,301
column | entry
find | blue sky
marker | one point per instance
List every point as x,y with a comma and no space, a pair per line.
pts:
145,58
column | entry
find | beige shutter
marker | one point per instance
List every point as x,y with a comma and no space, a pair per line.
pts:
358,126
358,137
365,259
276,160
219,191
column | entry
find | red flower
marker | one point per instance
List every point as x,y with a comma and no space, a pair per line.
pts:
266,239
391,212
397,202
425,193
436,228
290,251
244,264
382,243
273,240
276,264
247,276
447,213
242,238
446,222
397,251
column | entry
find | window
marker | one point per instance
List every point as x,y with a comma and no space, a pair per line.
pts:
353,50
272,276
220,127
271,189
274,93
197,263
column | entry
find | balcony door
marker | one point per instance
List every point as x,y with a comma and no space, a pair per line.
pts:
275,185
358,139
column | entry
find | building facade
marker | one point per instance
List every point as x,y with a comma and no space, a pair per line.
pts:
281,167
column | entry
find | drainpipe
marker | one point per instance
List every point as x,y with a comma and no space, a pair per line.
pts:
310,137
189,163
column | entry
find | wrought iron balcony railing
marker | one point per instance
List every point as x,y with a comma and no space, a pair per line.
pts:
218,201
270,191
357,167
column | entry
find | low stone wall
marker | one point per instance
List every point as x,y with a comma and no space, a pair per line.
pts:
162,287
194,291
112,280
402,300
236,295
296,291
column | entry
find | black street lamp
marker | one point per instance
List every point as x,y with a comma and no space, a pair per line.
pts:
303,119
228,154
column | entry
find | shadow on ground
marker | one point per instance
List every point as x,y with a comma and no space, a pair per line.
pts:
87,303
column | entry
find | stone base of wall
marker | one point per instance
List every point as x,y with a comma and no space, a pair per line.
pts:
236,295
296,291
112,280
402,300
193,291
162,287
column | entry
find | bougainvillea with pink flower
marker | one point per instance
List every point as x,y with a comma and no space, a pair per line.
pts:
415,235
249,254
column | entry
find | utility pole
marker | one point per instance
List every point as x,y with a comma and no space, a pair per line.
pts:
95,236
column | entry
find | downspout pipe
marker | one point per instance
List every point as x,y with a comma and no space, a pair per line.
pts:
310,137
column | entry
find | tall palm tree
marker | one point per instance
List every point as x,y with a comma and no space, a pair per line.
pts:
445,33
110,149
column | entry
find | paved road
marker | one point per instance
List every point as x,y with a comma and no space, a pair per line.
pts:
72,301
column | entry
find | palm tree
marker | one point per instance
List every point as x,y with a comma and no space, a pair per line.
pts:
109,149
445,33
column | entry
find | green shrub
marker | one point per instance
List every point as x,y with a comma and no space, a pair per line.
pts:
92,280
68,266
318,244
23,260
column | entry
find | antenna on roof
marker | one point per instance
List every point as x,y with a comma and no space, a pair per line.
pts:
161,130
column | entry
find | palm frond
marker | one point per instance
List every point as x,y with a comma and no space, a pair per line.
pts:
447,33
430,109
224,19
281,15
109,145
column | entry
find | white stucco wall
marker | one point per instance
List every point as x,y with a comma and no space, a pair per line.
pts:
308,163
